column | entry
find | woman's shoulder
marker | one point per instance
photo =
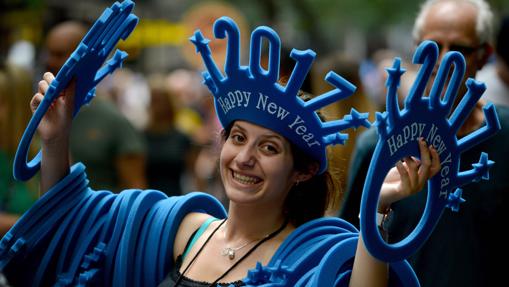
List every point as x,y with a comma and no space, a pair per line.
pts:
190,223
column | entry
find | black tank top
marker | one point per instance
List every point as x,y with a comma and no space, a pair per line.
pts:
174,274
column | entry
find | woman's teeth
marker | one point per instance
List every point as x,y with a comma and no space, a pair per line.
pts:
244,179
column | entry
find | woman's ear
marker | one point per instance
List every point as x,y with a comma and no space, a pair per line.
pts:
307,174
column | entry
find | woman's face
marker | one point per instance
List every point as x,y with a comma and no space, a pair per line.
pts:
256,165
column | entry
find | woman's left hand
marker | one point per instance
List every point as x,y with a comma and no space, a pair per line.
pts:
409,176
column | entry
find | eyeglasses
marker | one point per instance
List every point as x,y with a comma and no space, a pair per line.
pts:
463,49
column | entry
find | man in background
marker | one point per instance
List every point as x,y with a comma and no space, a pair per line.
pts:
101,137
465,247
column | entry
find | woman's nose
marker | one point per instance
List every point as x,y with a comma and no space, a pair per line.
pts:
246,156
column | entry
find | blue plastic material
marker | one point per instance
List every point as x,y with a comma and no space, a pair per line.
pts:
86,66
75,236
317,253
98,253
428,117
150,257
124,261
74,231
118,232
88,237
140,273
32,226
254,94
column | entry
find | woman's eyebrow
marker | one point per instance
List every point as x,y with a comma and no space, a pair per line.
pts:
237,126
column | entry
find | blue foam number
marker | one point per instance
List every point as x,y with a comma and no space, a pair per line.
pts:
85,65
428,117
253,93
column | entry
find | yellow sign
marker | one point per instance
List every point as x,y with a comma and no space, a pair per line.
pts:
156,32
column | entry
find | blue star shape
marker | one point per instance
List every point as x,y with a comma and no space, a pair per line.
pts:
357,119
201,43
454,200
259,275
483,167
394,73
278,273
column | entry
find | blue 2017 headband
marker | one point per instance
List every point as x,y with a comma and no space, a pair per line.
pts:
254,94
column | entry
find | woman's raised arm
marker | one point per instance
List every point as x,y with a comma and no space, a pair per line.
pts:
54,131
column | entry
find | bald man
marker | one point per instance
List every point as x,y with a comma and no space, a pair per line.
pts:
464,26
101,137
465,247
61,42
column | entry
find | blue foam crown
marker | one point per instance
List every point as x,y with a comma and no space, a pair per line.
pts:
255,94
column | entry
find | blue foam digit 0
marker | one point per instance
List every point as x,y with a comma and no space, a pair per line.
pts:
86,66
430,118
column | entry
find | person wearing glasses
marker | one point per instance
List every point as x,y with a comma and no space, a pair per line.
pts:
465,246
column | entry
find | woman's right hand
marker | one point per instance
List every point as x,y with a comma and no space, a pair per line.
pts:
54,131
55,126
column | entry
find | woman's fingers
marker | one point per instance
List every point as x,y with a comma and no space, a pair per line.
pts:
48,77
435,161
430,163
403,174
411,175
35,102
411,165
418,171
424,168
43,86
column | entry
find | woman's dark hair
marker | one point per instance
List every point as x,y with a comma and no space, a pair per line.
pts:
309,199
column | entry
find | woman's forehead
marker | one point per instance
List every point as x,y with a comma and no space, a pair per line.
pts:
248,126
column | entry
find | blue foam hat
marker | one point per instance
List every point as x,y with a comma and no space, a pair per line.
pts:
253,94
436,118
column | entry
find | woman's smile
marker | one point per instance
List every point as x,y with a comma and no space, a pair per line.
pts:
245,179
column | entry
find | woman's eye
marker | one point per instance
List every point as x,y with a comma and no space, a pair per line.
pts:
236,138
270,148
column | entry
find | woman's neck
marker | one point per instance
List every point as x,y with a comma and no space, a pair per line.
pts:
244,223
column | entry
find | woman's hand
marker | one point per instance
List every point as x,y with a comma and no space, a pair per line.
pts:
409,176
55,126
54,131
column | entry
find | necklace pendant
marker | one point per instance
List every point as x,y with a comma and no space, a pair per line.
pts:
228,251
231,253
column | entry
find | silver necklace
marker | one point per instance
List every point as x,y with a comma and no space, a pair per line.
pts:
230,251
266,238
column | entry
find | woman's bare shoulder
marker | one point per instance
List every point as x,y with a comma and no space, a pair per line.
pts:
189,224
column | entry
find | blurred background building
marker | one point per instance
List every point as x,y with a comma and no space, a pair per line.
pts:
357,27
